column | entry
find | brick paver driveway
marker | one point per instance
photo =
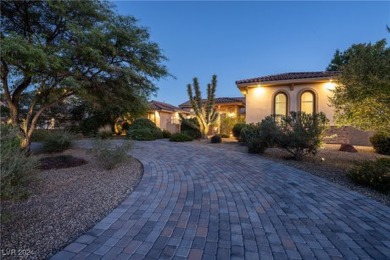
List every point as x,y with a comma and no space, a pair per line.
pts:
202,202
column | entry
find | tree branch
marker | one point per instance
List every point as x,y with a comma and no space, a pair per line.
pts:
34,121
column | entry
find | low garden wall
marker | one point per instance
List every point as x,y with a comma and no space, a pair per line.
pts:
347,135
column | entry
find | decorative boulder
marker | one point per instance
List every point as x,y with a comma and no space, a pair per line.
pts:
348,148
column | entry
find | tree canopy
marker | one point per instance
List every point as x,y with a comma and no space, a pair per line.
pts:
54,49
362,95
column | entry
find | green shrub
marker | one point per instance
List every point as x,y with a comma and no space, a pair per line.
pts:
57,141
142,134
144,130
254,139
375,174
90,125
158,133
39,135
237,130
215,139
180,137
190,127
105,132
300,133
142,123
16,167
108,154
224,136
381,143
166,134
227,123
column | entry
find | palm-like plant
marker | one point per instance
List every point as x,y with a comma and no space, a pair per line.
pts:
204,110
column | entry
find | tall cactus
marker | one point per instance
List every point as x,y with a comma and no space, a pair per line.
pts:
204,110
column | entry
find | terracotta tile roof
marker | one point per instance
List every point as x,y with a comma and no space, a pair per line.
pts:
219,100
157,105
290,76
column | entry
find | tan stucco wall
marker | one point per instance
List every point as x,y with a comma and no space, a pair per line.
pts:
259,100
163,120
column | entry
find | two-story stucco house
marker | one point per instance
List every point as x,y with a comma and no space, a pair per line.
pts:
297,91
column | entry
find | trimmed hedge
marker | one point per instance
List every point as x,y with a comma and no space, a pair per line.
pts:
180,137
375,174
144,129
381,143
237,130
215,139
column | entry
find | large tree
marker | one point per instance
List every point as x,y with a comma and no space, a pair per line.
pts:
204,110
54,49
362,95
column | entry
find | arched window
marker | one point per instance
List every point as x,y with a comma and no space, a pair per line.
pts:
280,104
308,102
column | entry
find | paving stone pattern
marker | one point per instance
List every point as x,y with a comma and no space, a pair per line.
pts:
200,202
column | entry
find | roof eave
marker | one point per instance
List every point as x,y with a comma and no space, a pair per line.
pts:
283,82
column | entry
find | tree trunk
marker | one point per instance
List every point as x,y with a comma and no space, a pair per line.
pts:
205,131
14,113
25,144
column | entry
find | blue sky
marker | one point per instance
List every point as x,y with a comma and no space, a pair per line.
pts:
238,40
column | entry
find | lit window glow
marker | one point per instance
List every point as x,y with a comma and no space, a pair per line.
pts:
307,102
281,104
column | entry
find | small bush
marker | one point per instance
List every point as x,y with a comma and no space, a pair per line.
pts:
215,139
375,174
237,130
166,134
381,143
39,135
227,123
180,137
144,130
109,155
190,127
142,134
142,123
158,133
105,132
300,133
16,167
57,141
253,138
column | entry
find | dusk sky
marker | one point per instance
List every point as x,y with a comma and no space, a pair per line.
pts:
239,40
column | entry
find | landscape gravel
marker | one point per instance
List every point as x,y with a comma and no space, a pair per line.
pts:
65,203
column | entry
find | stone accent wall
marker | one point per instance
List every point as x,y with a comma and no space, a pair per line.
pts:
347,135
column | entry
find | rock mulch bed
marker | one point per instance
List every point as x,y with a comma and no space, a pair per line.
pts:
65,203
329,163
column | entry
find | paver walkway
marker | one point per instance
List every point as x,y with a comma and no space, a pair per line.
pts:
203,202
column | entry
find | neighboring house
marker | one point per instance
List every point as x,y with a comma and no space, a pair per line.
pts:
225,106
165,116
297,91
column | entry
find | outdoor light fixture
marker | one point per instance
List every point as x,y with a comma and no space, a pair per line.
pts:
259,90
330,85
